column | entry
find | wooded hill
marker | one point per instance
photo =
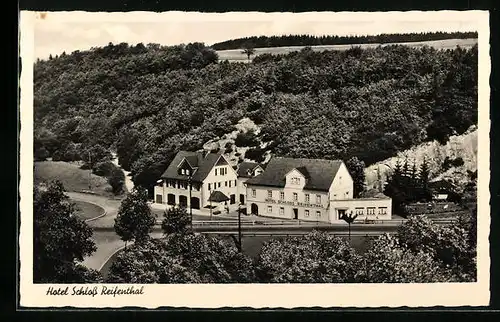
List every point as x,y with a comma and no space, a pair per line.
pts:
148,102
309,40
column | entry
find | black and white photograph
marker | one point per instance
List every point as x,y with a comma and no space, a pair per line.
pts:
254,159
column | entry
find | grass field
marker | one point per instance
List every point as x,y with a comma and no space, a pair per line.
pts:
87,210
72,177
235,55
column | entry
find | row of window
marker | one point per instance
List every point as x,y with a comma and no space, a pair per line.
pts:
282,211
221,171
180,185
371,211
295,196
216,185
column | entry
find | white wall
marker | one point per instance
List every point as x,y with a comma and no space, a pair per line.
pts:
288,203
351,205
227,190
342,186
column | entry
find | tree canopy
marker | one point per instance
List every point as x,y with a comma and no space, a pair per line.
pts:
61,239
134,220
182,258
309,40
147,102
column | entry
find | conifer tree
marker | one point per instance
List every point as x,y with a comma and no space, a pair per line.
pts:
424,174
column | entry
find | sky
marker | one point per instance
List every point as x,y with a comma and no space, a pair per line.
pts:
69,31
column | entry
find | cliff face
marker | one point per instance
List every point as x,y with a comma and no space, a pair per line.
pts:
463,146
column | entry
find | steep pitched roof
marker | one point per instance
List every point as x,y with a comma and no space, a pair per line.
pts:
245,169
218,196
319,173
203,164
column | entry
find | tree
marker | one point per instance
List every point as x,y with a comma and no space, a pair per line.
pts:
315,258
182,258
134,220
176,221
116,180
387,262
248,50
356,168
424,174
61,239
450,246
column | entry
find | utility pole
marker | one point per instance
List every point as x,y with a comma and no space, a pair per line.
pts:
90,172
210,201
190,200
239,227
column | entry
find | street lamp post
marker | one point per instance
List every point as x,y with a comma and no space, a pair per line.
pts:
210,201
190,200
239,227
90,172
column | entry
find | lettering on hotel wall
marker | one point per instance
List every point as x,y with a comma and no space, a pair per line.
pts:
293,203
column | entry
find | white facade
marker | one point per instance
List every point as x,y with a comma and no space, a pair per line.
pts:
221,177
294,202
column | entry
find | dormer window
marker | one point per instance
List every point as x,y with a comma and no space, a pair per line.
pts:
295,180
183,171
187,172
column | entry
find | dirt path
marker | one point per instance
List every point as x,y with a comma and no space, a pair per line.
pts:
129,184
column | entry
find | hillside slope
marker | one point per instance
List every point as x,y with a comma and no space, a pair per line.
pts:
148,102
463,146
236,55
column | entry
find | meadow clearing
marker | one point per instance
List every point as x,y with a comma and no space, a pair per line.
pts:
235,55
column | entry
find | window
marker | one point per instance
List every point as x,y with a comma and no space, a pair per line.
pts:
382,210
282,211
295,196
359,210
219,184
282,195
187,172
306,213
370,211
318,213
230,183
209,186
215,171
295,180
269,193
307,198
225,183
318,198
235,183
182,171
269,209
254,193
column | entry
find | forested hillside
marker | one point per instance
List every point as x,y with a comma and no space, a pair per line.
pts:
148,102
309,40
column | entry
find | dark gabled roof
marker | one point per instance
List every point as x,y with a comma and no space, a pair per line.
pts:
318,172
304,171
203,164
218,196
245,169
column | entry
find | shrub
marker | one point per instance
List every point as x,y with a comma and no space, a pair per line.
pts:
256,154
246,139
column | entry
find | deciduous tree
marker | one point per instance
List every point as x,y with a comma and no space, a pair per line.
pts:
314,258
134,220
176,221
61,239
